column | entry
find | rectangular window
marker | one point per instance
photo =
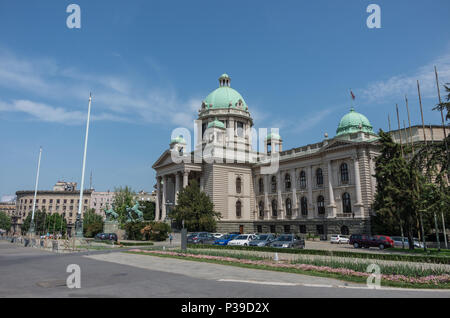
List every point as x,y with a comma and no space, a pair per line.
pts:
240,129
319,229
302,228
259,228
287,229
272,229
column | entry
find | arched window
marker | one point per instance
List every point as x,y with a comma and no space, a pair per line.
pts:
320,204
261,185
302,179
344,173
238,185
274,184
344,230
261,209
319,177
238,209
274,208
287,181
304,205
288,207
346,203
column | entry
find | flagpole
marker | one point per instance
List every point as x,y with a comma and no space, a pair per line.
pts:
409,121
389,122
79,221
421,113
32,225
399,129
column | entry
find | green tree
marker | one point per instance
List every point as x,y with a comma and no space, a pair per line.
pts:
5,221
92,223
123,199
396,198
196,209
148,210
45,223
445,106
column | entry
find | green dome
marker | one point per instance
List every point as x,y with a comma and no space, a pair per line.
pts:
273,136
216,123
354,122
178,140
225,96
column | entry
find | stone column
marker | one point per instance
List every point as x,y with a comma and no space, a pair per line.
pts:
332,206
358,204
266,195
157,203
309,184
294,193
164,198
185,178
279,196
177,187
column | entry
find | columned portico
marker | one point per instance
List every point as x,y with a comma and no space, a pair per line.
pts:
358,204
158,195
332,206
164,196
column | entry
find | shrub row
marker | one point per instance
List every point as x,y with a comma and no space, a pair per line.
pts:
387,257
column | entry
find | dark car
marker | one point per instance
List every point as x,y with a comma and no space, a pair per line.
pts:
106,236
201,238
288,241
262,240
380,241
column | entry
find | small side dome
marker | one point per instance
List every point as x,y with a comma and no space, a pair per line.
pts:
354,122
273,136
178,140
216,123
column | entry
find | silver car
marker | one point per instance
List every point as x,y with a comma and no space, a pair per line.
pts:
288,241
262,240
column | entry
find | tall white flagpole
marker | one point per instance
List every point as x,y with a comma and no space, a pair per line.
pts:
32,225
79,223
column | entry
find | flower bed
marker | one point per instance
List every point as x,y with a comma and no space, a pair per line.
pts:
427,280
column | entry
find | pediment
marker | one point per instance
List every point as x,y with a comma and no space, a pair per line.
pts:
164,160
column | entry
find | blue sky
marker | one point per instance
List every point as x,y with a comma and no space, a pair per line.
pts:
149,64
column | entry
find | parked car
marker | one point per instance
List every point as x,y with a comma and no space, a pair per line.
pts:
106,236
398,242
242,240
217,235
262,240
201,238
288,241
339,239
380,241
224,239
386,241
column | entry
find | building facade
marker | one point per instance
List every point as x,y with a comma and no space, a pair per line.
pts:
321,188
64,200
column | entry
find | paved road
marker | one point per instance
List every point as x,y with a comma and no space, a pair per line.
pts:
29,272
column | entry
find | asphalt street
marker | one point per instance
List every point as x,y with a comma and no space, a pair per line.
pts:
30,272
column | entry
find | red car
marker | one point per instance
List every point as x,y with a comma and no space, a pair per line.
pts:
380,241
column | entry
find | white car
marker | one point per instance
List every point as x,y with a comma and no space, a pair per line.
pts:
242,240
217,235
339,239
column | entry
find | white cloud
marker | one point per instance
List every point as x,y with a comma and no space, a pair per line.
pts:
7,198
399,85
42,84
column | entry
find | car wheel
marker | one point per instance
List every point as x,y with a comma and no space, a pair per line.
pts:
381,246
245,244
355,245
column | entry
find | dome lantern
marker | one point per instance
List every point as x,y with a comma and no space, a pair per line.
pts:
224,80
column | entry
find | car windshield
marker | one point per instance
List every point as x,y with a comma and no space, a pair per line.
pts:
262,237
241,237
285,238
225,237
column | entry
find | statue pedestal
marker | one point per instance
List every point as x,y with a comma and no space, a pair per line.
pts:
113,227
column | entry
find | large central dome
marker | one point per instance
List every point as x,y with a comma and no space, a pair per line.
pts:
354,122
225,96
